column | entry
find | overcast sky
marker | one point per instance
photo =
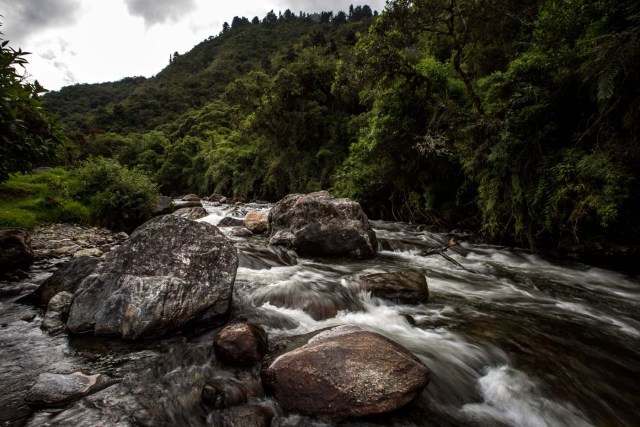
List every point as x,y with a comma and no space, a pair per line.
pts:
90,41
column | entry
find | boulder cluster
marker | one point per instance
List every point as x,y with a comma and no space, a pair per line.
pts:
174,273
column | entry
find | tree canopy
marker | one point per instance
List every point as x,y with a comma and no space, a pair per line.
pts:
519,118
28,135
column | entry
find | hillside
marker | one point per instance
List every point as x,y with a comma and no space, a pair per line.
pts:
519,121
191,79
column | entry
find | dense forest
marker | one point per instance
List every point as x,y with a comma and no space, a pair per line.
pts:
519,118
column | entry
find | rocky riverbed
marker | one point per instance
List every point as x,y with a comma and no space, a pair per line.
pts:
500,338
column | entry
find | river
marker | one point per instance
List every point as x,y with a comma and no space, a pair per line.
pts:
511,339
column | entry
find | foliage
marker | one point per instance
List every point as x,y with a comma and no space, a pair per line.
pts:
28,135
118,197
516,117
29,200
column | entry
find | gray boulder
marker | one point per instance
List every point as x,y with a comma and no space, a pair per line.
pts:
191,213
15,250
346,372
318,224
188,205
170,272
57,312
216,198
66,278
405,287
229,221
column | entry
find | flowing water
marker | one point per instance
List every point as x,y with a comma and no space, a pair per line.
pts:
511,339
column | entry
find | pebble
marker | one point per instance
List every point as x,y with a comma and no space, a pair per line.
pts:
56,240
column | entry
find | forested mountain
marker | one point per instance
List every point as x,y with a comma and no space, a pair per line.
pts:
516,117
199,76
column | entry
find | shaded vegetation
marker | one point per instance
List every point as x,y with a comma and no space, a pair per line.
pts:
519,118
28,200
28,135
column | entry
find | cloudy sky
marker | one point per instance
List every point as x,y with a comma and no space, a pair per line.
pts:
90,41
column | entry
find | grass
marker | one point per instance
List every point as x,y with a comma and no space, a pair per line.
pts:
29,200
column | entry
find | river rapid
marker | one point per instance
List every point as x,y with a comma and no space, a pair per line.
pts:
511,339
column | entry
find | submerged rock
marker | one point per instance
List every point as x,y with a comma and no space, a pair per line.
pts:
240,232
15,250
229,221
321,225
170,272
241,344
243,416
221,392
346,372
60,389
405,287
256,221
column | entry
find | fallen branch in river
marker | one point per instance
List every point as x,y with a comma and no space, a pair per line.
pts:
441,252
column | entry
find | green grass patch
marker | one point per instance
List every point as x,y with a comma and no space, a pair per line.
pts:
29,200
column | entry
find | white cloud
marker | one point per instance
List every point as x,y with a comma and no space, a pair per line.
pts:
25,17
160,11
89,41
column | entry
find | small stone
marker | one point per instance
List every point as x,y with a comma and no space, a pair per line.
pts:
191,198
241,344
93,252
28,317
57,312
66,250
241,232
121,236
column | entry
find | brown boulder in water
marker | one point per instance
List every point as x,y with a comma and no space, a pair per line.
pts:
346,372
405,287
241,344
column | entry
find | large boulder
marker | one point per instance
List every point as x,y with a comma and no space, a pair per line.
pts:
170,272
321,225
346,372
65,279
405,287
241,344
256,221
15,250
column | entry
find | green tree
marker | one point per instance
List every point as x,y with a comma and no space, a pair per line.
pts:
118,197
28,134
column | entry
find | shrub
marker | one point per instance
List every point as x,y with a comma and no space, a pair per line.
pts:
28,200
118,198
